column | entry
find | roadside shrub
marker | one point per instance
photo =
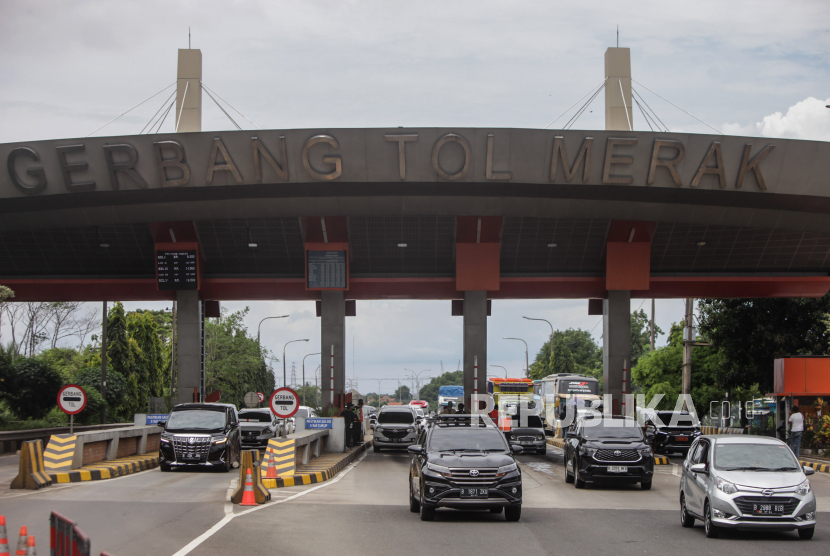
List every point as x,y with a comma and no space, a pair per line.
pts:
32,388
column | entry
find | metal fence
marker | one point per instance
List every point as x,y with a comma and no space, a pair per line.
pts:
66,539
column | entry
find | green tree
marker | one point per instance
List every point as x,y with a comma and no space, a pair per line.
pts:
119,407
33,388
152,365
402,394
574,351
641,335
750,334
66,361
429,392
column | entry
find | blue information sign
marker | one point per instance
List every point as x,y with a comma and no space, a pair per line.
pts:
318,423
154,418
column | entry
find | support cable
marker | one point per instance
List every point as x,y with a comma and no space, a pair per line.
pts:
184,96
625,108
577,102
220,108
581,111
161,123
654,115
645,116
151,123
229,104
676,106
130,110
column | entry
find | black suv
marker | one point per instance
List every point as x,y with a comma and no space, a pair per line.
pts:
205,434
670,431
530,437
608,449
463,463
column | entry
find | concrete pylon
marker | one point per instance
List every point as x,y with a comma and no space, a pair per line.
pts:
189,91
619,114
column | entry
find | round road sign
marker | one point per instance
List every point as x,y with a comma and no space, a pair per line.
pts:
261,397
72,399
284,402
251,399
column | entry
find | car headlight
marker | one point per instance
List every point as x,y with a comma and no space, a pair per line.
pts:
440,469
540,437
645,452
220,440
410,429
726,487
803,488
587,451
505,469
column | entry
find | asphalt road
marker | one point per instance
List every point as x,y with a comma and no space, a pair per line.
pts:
364,510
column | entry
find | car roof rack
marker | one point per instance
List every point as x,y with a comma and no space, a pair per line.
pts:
459,420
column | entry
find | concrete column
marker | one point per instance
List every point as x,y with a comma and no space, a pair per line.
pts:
189,90
189,335
616,344
475,342
333,332
619,114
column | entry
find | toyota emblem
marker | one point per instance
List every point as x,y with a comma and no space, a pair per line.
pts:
474,473
617,453
768,492
192,440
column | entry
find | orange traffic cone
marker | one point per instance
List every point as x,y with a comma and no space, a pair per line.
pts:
31,550
4,537
21,543
271,473
248,495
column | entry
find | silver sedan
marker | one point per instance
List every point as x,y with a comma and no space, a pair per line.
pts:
746,482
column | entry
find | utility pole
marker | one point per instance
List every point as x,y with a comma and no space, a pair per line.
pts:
688,341
652,325
104,364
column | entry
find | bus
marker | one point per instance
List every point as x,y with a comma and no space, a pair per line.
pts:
555,390
509,392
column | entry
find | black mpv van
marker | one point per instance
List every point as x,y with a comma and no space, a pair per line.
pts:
204,434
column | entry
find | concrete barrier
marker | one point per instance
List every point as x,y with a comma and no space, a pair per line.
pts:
721,430
336,439
95,446
31,475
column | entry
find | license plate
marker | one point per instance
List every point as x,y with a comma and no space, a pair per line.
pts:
767,509
682,438
618,469
475,492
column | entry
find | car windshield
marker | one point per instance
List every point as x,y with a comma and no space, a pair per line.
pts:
754,457
671,419
466,439
620,429
396,418
533,421
196,419
254,417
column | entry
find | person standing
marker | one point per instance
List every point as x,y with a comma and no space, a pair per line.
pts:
448,410
358,425
349,419
796,430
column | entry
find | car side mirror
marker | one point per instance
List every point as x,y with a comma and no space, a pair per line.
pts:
808,470
698,468
416,449
234,425
162,423
516,449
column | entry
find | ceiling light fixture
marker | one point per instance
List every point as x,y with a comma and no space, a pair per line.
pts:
251,243
104,245
402,245
552,244
700,243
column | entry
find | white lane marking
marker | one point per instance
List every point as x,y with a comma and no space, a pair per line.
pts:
675,470
228,517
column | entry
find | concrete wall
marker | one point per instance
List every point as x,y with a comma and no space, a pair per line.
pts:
95,446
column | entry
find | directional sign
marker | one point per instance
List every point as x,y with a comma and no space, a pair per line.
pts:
284,403
261,397
251,399
72,399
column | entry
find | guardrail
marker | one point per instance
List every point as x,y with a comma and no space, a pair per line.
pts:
10,441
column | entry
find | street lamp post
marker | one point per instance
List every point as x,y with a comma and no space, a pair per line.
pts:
500,367
260,324
527,365
283,359
417,381
551,337
315,374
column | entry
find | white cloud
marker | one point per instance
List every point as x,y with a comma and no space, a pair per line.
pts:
807,119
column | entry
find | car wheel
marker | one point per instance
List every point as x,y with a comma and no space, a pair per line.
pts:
513,513
165,467
645,485
427,513
375,449
578,483
496,510
686,520
711,530
806,534
414,505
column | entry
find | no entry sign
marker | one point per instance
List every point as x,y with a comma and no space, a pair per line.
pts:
284,403
261,397
72,399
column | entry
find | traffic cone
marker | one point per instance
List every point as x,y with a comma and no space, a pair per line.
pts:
271,472
4,537
21,543
248,495
30,544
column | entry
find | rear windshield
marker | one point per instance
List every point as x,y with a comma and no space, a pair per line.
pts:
478,439
598,429
668,419
396,418
196,419
755,457
254,417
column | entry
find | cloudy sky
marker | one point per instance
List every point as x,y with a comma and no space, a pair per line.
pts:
751,68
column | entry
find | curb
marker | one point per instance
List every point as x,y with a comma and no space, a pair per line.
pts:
820,467
658,460
556,443
312,477
108,469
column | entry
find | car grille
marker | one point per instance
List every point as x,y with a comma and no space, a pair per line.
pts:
612,455
745,503
394,433
197,451
526,438
461,476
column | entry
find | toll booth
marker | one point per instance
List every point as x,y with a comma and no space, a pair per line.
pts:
799,381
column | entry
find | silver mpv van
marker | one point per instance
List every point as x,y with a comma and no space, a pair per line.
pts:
746,482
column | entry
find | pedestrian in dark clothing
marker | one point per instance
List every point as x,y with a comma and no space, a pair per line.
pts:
358,424
349,419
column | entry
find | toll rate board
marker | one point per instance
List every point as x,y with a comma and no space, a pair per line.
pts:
327,269
177,270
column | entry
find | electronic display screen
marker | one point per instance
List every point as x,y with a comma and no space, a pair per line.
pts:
177,270
327,269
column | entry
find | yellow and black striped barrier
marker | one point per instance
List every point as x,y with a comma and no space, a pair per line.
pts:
820,467
321,469
32,475
283,450
108,469
721,430
661,460
59,453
